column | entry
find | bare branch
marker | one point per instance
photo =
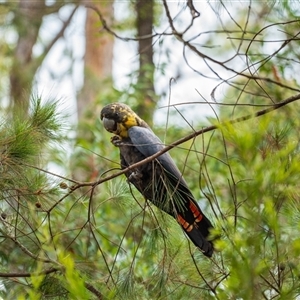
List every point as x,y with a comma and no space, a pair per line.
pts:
92,289
58,35
26,274
193,135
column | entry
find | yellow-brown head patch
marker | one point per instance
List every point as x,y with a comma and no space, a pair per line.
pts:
118,118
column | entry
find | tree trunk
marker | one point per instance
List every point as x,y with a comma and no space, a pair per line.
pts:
98,57
28,20
145,85
97,70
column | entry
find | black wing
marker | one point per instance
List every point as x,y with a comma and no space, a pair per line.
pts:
148,144
184,207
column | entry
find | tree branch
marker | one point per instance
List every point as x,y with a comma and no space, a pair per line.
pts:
27,274
187,138
167,148
93,290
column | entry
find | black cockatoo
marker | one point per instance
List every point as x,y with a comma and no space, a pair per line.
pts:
159,181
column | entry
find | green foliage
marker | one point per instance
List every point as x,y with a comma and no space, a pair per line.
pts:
257,204
88,236
249,174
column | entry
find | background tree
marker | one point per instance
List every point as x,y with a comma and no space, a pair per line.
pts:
97,83
145,82
97,58
26,21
